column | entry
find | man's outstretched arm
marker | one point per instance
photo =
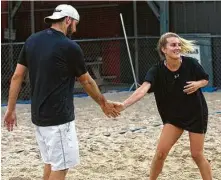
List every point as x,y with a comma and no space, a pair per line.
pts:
92,90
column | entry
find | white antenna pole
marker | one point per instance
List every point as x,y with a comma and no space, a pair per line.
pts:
128,50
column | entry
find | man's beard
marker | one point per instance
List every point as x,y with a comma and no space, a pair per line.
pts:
69,31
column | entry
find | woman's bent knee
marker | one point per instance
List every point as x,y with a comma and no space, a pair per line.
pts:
197,155
161,155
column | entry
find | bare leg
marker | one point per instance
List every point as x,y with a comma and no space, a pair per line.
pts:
58,175
169,135
196,146
47,171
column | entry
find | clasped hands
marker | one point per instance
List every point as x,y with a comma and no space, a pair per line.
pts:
112,109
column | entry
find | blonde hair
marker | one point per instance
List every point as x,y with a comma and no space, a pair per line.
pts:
186,45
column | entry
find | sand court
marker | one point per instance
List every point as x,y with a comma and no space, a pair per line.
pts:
113,149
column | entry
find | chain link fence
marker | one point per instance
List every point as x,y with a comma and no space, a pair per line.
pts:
216,57
108,63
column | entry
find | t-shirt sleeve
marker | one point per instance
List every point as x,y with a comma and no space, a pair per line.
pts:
200,72
76,63
22,57
151,77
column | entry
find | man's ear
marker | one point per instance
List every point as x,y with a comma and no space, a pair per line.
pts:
68,20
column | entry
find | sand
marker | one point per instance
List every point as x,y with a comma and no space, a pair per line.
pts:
113,149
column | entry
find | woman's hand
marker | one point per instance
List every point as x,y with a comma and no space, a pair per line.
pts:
192,87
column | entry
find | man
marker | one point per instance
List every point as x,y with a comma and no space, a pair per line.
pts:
53,61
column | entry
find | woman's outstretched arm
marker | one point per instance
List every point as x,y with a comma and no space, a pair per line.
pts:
137,95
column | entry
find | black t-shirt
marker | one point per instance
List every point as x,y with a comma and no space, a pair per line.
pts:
53,61
176,107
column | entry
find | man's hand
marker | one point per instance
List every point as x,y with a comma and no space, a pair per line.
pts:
118,106
10,120
112,109
109,109
192,87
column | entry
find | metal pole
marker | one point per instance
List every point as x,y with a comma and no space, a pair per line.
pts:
154,8
136,41
164,17
32,17
10,27
128,49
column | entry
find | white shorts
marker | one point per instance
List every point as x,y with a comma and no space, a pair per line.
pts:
58,145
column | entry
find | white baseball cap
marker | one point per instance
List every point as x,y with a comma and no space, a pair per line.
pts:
61,11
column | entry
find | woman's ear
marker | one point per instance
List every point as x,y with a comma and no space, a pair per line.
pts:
163,50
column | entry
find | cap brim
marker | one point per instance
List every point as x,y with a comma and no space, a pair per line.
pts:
53,17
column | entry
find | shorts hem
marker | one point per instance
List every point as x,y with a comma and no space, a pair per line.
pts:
68,166
186,129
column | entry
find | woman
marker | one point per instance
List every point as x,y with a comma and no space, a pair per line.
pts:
176,83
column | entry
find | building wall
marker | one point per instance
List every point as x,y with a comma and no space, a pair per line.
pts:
95,22
195,17
185,17
103,22
4,18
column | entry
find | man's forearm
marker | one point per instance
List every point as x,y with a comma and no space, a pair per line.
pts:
14,90
92,90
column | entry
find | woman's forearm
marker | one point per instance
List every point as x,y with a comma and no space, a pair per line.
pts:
203,83
137,95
